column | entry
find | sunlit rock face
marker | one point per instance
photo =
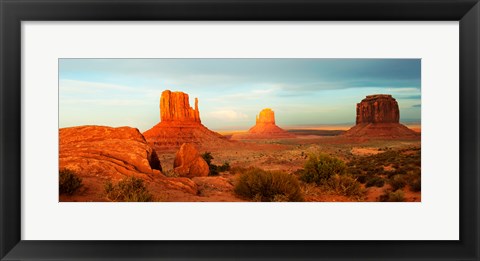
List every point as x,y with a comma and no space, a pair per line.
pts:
98,154
266,116
378,117
179,124
107,151
188,162
265,128
175,107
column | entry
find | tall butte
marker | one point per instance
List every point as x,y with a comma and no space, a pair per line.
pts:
180,123
378,117
265,128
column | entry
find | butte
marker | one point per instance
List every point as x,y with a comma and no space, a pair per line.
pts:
179,124
265,128
378,117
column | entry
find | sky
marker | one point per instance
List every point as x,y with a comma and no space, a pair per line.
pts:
231,92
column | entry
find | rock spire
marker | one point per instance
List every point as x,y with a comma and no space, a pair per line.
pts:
175,106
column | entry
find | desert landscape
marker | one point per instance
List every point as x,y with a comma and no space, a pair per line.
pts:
181,160
239,130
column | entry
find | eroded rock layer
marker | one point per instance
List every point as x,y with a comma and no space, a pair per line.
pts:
378,108
98,154
98,150
378,117
265,128
175,107
181,124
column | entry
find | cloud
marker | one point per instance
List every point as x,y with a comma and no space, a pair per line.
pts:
77,86
403,90
408,97
227,115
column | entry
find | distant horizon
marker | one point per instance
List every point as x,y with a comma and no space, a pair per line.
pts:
231,92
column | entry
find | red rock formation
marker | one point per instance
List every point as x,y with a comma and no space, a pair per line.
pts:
98,149
181,124
379,108
98,154
188,162
266,116
378,117
175,106
265,128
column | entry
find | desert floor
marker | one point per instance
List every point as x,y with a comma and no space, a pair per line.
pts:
289,155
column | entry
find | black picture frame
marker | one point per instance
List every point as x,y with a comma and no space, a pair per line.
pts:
13,12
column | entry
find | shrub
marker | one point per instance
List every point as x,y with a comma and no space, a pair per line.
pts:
260,185
397,182
362,179
130,189
389,196
345,185
224,167
214,169
415,184
207,156
375,181
319,168
69,182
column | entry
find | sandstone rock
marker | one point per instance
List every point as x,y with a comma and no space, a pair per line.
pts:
378,117
378,108
105,150
175,106
266,116
188,162
181,124
265,128
98,154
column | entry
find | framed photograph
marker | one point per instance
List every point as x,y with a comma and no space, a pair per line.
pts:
246,130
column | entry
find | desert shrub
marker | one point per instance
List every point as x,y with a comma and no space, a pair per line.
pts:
298,172
397,182
375,181
389,196
214,169
207,156
130,189
320,167
260,185
415,182
69,182
416,185
345,185
224,167
362,179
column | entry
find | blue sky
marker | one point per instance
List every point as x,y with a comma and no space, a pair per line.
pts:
126,92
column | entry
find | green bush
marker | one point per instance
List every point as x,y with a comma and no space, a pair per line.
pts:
320,167
345,185
69,182
389,196
130,189
260,185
